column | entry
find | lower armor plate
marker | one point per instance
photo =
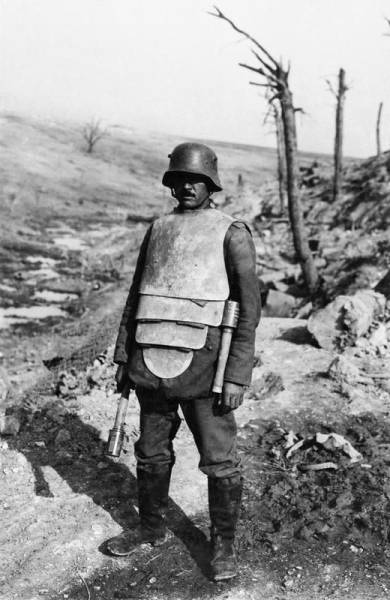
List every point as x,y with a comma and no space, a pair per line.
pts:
167,362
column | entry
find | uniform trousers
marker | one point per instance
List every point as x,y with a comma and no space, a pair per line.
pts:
214,434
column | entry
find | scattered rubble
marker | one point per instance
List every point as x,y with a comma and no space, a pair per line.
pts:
9,424
326,485
330,441
383,286
63,437
360,310
345,372
346,319
73,382
333,441
268,385
279,304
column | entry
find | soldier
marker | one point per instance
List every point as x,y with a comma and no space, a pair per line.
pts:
190,262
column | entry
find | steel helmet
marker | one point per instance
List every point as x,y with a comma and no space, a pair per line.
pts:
194,158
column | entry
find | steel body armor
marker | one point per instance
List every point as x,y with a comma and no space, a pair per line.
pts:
183,288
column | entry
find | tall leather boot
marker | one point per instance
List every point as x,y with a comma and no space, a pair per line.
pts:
153,487
224,506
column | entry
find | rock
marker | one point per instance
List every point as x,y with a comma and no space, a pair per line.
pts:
9,425
383,287
279,304
361,309
379,337
305,311
281,286
346,314
266,386
57,413
257,362
333,441
384,384
3,390
326,324
343,371
40,444
63,458
288,583
67,384
273,276
62,437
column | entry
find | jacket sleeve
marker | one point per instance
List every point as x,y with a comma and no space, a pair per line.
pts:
240,259
126,331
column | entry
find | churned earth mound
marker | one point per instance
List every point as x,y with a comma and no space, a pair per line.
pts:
362,203
354,247
348,237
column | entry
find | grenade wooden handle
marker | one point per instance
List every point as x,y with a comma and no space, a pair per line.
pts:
229,323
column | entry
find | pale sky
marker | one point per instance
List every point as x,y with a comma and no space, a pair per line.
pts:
167,65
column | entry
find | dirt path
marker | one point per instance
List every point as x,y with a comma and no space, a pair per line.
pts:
60,499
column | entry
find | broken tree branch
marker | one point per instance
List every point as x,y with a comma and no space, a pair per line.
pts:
219,14
331,88
270,78
266,85
265,65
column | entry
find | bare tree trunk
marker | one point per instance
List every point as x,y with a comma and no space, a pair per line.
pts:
338,143
378,130
281,156
275,79
301,244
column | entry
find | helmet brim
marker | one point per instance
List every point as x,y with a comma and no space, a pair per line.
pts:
169,176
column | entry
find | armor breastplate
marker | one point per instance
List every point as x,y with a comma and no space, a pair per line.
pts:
183,288
185,256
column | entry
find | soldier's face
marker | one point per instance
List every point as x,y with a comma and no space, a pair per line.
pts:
190,190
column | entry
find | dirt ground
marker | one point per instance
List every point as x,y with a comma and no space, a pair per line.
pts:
61,498
68,248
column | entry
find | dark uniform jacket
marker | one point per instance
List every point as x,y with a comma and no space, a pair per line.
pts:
197,380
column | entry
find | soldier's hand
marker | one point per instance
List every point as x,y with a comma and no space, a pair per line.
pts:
121,377
232,396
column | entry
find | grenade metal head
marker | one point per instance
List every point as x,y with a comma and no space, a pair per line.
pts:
115,442
197,159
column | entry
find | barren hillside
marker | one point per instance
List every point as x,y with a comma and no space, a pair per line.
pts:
314,433
71,224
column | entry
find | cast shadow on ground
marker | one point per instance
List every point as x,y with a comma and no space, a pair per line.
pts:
80,462
298,335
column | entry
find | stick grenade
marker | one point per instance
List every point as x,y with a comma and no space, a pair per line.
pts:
117,433
229,323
